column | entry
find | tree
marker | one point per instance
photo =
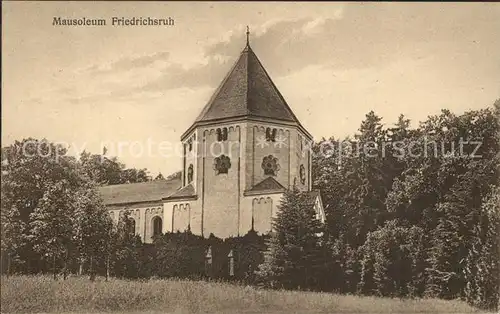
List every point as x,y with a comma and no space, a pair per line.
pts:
50,209
461,183
293,258
52,225
175,175
338,266
180,255
93,227
133,175
433,178
393,261
126,254
12,235
250,250
31,169
374,179
482,271
101,169
159,177
108,170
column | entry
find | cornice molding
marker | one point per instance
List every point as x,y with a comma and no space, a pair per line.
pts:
257,193
245,118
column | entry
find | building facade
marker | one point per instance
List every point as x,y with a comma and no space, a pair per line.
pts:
244,149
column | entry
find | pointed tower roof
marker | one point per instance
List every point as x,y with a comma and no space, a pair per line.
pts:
247,91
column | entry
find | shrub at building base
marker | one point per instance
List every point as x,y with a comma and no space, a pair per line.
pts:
185,255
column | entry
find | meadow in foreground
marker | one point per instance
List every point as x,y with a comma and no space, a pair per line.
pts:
35,294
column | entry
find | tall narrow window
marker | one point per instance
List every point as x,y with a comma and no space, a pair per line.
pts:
271,134
157,225
224,134
184,164
302,173
190,143
219,135
190,174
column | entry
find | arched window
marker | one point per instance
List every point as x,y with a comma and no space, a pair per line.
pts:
271,135
302,174
157,226
301,143
190,173
270,165
222,164
219,135
131,226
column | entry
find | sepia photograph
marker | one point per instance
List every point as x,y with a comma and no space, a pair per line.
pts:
250,157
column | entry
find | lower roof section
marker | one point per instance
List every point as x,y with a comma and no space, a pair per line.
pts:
138,192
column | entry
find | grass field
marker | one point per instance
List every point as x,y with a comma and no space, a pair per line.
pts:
29,294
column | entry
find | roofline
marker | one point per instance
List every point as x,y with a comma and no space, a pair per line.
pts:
275,88
180,198
320,199
318,196
245,50
110,186
263,192
242,118
173,196
158,201
214,94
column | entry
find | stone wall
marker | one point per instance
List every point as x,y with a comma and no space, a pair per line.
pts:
221,192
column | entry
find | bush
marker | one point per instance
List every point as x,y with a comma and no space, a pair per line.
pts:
393,261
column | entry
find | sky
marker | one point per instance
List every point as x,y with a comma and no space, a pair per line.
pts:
90,86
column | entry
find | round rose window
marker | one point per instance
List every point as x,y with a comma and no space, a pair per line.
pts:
270,165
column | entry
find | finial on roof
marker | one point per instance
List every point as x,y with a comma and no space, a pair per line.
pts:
248,36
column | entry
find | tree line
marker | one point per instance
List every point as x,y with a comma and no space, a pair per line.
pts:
399,224
52,216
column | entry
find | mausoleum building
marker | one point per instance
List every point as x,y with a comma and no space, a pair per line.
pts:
245,148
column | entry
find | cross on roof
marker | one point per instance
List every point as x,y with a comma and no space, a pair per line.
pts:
248,35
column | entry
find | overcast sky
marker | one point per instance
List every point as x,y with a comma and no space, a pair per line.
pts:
333,62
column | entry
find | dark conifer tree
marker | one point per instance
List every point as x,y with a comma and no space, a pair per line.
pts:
294,255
